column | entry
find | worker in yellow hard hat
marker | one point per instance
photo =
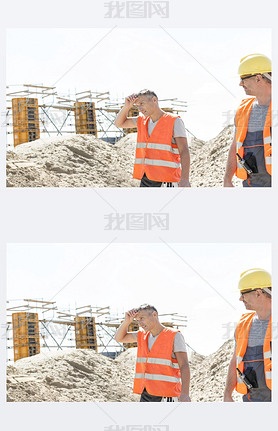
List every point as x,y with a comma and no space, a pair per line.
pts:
250,367
250,153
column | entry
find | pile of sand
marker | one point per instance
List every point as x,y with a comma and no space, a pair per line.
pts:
85,161
83,375
70,375
208,374
72,161
208,160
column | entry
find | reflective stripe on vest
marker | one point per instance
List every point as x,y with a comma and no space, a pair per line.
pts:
156,156
241,337
238,360
157,163
154,146
268,375
156,370
157,377
241,122
158,361
267,355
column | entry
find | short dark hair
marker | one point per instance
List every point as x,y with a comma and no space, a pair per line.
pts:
146,93
146,307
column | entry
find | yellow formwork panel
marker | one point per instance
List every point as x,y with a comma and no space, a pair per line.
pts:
133,112
85,333
25,351
26,336
133,327
26,127
85,118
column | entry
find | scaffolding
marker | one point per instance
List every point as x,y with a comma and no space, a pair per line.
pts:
35,325
49,112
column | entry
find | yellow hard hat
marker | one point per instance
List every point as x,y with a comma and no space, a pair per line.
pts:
254,63
255,278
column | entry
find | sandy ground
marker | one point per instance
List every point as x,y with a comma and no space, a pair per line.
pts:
83,375
208,374
74,161
70,375
208,160
85,161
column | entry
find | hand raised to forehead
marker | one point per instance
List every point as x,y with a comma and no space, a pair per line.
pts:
131,314
130,100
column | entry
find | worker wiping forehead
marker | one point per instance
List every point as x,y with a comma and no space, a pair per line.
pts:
162,369
147,319
147,104
162,156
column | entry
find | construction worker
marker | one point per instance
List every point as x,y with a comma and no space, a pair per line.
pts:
162,155
250,367
250,153
162,369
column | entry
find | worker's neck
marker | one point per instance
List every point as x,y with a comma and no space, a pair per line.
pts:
264,313
264,98
157,329
158,113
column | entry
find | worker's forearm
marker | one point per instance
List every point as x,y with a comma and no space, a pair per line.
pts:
121,332
185,379
231,164
185,164
121,117
231,380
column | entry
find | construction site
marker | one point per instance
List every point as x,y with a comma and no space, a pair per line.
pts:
57,140
56,355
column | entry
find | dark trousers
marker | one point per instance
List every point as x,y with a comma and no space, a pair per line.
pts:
145,182
146,397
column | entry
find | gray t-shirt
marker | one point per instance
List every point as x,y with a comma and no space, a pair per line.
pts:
178,346
257,332
178,131
257,117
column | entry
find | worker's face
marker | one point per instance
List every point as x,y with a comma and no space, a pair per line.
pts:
146,319
250,299
146,105
250,85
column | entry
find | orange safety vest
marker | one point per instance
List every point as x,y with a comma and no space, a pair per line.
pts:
241,122
241,336
156,370
156,156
